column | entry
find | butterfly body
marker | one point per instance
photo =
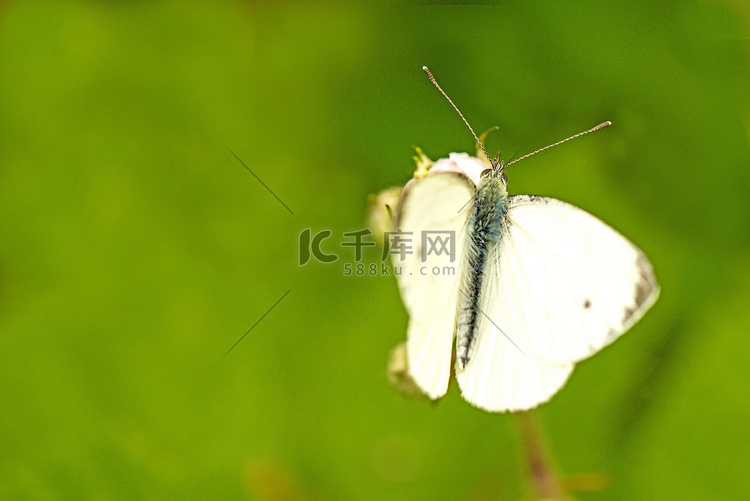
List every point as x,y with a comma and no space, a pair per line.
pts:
484,231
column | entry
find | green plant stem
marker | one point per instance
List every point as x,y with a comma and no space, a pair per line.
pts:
542,473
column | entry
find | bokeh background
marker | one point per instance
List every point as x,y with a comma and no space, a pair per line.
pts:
135,250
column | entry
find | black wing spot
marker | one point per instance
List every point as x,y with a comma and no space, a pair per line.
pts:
586,304
627,314
644,289
611,334
538,198
646,283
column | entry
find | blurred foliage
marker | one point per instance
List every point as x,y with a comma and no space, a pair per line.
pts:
135,249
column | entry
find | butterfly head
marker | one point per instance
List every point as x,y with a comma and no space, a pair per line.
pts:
496,169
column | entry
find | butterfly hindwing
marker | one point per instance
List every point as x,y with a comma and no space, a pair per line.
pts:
502,373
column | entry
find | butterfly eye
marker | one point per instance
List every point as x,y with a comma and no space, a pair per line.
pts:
485,173
504,179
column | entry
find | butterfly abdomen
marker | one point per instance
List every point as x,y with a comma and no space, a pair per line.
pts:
485,229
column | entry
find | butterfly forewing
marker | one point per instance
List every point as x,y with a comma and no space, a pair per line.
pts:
567,279
432,210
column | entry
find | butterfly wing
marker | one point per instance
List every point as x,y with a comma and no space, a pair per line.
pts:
432,207
561,286
502,373
584,283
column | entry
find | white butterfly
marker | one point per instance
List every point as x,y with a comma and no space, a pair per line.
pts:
533,285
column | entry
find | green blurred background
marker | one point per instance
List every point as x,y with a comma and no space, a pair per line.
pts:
135,249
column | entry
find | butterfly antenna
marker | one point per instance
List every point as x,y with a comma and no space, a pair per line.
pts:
432,79
600,126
